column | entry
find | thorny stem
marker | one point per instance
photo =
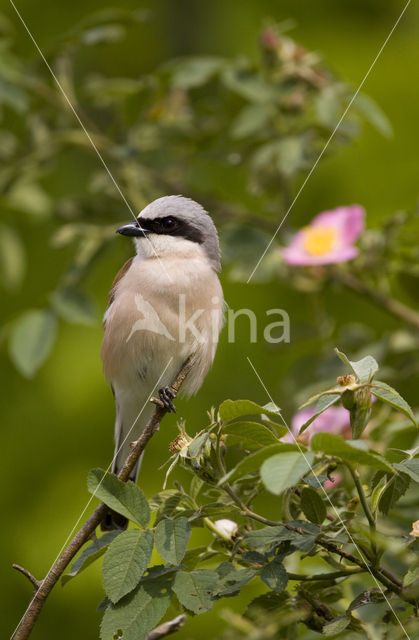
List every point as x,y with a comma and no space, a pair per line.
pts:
365,506
46,585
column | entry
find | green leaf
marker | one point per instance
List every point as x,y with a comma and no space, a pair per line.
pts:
195,589
312,506
165,504
274,575
250,86
253,433
349,450
125,562
12,258
89,555
133,617
31,340
396,487
323,403
251,119
370,596
260,538
124,497
230,581
374,114
411,576
231,409
364,369
74,306
195,72
390,396
172,538
273,536
336,625
252,462
411,467
284,470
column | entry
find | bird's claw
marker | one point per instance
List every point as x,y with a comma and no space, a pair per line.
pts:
166,396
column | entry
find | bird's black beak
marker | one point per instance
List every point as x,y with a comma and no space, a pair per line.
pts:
132,229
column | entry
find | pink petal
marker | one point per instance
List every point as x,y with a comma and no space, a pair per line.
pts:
350,222
297,256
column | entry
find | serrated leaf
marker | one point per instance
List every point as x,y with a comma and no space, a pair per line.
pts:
74,306
364,369
336,625
89,555
274,576
31,340
370,596
125,498
411,467
171,539
348,450
133,617
323,403
195,589
165,503
125,562
390,396
253,433
312,506
396,487
230,580
253,461
284,470
231,409
411,576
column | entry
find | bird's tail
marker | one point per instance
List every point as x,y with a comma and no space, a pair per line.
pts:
123,438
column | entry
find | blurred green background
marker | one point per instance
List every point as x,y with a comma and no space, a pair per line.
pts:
58,425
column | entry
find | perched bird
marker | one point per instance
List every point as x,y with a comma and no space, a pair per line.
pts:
165,305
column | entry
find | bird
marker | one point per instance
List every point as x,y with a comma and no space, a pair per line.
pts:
165,306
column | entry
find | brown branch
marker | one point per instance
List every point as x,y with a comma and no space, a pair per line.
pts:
46,585
167,628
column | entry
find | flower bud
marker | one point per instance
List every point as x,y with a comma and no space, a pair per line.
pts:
361,411
227,527
180,442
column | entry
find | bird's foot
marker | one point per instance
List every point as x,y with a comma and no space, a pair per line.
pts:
166,396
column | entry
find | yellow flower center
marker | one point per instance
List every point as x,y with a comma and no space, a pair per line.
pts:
319,240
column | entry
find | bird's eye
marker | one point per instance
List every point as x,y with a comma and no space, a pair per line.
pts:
169,222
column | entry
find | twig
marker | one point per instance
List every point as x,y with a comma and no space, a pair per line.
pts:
45,586
166,628
35,583
395,307
332,575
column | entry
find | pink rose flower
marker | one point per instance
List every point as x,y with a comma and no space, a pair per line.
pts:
328,239
334,420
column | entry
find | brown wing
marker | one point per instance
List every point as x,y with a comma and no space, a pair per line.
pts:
123,270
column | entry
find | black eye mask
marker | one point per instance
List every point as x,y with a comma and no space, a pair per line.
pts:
171,226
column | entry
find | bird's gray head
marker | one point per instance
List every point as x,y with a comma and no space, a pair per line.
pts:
169,222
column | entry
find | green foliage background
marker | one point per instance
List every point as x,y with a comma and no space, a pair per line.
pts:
58,425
